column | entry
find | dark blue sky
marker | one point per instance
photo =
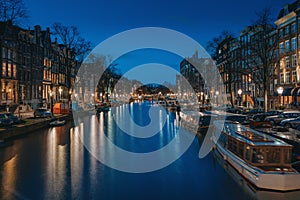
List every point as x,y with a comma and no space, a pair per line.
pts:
99,19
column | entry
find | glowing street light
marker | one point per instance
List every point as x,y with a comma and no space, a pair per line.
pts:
60,91
217,94
51,100
280,91
240,91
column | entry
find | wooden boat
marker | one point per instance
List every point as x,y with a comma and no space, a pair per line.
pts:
263,160
57,122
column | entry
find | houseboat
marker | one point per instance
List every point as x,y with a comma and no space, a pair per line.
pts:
261,159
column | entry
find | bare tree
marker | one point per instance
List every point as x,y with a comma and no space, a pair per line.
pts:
213,45
13,10
262,56
71,38
223,42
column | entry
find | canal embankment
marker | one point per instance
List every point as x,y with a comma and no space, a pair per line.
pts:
29,125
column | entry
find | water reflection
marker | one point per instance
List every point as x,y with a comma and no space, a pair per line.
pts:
54,164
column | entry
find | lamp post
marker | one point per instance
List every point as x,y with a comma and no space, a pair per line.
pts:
280,91
51,101
240,96
217,94
202,97
60,91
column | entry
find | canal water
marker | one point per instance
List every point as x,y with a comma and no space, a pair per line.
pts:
54,163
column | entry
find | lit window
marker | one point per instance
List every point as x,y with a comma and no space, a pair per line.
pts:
4,69
14,71
9,69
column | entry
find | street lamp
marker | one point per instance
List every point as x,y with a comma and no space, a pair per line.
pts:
60,91
280,91
202,97
9,92
70,95
240,96
217,94
51,101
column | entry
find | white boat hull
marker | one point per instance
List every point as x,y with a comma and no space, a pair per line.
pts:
280,181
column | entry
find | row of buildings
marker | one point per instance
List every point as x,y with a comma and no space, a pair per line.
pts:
262,59
34,69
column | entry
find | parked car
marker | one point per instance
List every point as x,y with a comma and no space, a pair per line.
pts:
236,110
42,112
4,120
255,111
291,123
262,116
276,119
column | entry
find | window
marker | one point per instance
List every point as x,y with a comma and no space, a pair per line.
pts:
258,155
3,52
281,78
9,54
287,156
287,46
9,69
293,29
294,60
287,62
294,43
14,71
281,48
294,76
287,77
4,69
287,30
273,155
281,33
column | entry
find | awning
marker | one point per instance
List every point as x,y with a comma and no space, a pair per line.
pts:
295,91
287,92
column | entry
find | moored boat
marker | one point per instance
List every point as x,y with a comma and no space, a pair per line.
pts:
57,122
263,160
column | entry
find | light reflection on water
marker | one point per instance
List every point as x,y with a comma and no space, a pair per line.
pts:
54,164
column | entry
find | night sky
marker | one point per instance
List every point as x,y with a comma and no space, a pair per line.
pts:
98,20
201,20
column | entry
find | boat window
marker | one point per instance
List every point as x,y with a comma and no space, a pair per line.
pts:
286,156
273,155
257,155
247,153
241,149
